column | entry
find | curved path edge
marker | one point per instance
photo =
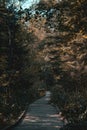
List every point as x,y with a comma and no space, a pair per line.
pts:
22,115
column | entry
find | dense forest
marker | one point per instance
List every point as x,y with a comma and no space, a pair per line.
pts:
44,46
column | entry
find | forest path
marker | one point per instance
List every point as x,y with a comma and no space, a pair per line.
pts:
41,116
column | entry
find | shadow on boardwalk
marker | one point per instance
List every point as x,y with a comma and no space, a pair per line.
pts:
41,116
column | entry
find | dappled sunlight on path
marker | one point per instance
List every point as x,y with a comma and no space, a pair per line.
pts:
41,116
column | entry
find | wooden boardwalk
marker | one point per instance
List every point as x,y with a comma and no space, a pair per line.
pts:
41,116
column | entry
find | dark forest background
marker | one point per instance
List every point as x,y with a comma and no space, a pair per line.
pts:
44,46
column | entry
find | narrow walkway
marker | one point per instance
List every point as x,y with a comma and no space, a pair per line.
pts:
41,116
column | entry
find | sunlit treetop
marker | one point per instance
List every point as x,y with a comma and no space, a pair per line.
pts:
24,4
29,3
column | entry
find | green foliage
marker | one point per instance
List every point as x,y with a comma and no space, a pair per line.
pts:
66,55
16,77
72,104
72,61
